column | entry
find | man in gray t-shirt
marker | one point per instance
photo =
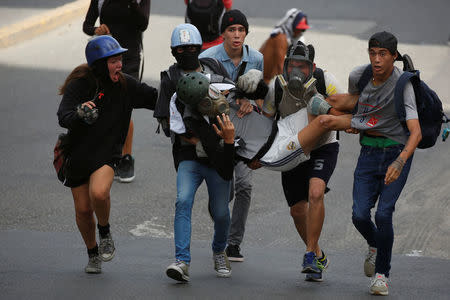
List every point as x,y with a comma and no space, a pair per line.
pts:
376,107
386,151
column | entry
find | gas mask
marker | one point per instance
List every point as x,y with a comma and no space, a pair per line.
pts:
296,91
296,81
213,104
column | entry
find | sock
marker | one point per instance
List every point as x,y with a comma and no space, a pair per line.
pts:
103,230
93,251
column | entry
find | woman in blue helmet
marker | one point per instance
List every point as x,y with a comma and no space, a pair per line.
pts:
95,108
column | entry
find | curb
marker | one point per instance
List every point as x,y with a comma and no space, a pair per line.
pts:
33,26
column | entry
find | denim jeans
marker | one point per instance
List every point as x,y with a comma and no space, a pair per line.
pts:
368,188
190,175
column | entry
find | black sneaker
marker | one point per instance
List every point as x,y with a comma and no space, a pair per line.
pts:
233,253
125,169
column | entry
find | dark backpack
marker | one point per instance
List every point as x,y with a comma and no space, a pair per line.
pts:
429,106
205,15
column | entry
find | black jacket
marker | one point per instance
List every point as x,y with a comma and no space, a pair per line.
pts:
92,146
219,158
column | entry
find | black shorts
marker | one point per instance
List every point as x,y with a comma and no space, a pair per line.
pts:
321,165
75,182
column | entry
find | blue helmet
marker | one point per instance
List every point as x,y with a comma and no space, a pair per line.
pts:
185,35
102,47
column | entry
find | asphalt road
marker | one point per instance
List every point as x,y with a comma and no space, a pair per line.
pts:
37,225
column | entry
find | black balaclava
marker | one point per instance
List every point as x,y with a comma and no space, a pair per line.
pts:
101,71
187,60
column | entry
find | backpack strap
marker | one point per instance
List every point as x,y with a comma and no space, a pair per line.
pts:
362,82
320,83
398,95
279,81
365,78
243,65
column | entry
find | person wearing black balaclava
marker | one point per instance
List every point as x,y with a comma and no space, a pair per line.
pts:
191,165
96,108
126,21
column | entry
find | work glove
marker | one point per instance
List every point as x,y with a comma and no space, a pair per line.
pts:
318,105
249,81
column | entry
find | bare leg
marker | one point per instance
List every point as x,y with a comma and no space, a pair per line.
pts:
299,215
315,215
310,135
128,146
84,214
99,191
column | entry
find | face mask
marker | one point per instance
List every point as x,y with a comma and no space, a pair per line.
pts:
188,60
214,104
101,71
296,82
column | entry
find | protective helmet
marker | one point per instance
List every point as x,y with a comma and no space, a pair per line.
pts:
102,47
192,88
300,52
185,35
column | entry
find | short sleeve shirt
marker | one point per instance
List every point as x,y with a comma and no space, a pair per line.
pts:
253,58
376,107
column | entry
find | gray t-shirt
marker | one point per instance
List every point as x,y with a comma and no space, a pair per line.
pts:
376,107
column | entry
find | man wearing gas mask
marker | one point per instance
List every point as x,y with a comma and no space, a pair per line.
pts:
194,159
293,97
305,185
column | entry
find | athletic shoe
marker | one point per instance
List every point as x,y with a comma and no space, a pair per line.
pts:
221,264
106,248
324,261
94,265
233,253
314,277
379,285
125,169
369,262
179,271
311,264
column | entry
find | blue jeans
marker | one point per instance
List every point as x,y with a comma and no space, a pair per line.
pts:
190,175
368,188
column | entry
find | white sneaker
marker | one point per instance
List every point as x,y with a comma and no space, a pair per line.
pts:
221,264
369,262
379,285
